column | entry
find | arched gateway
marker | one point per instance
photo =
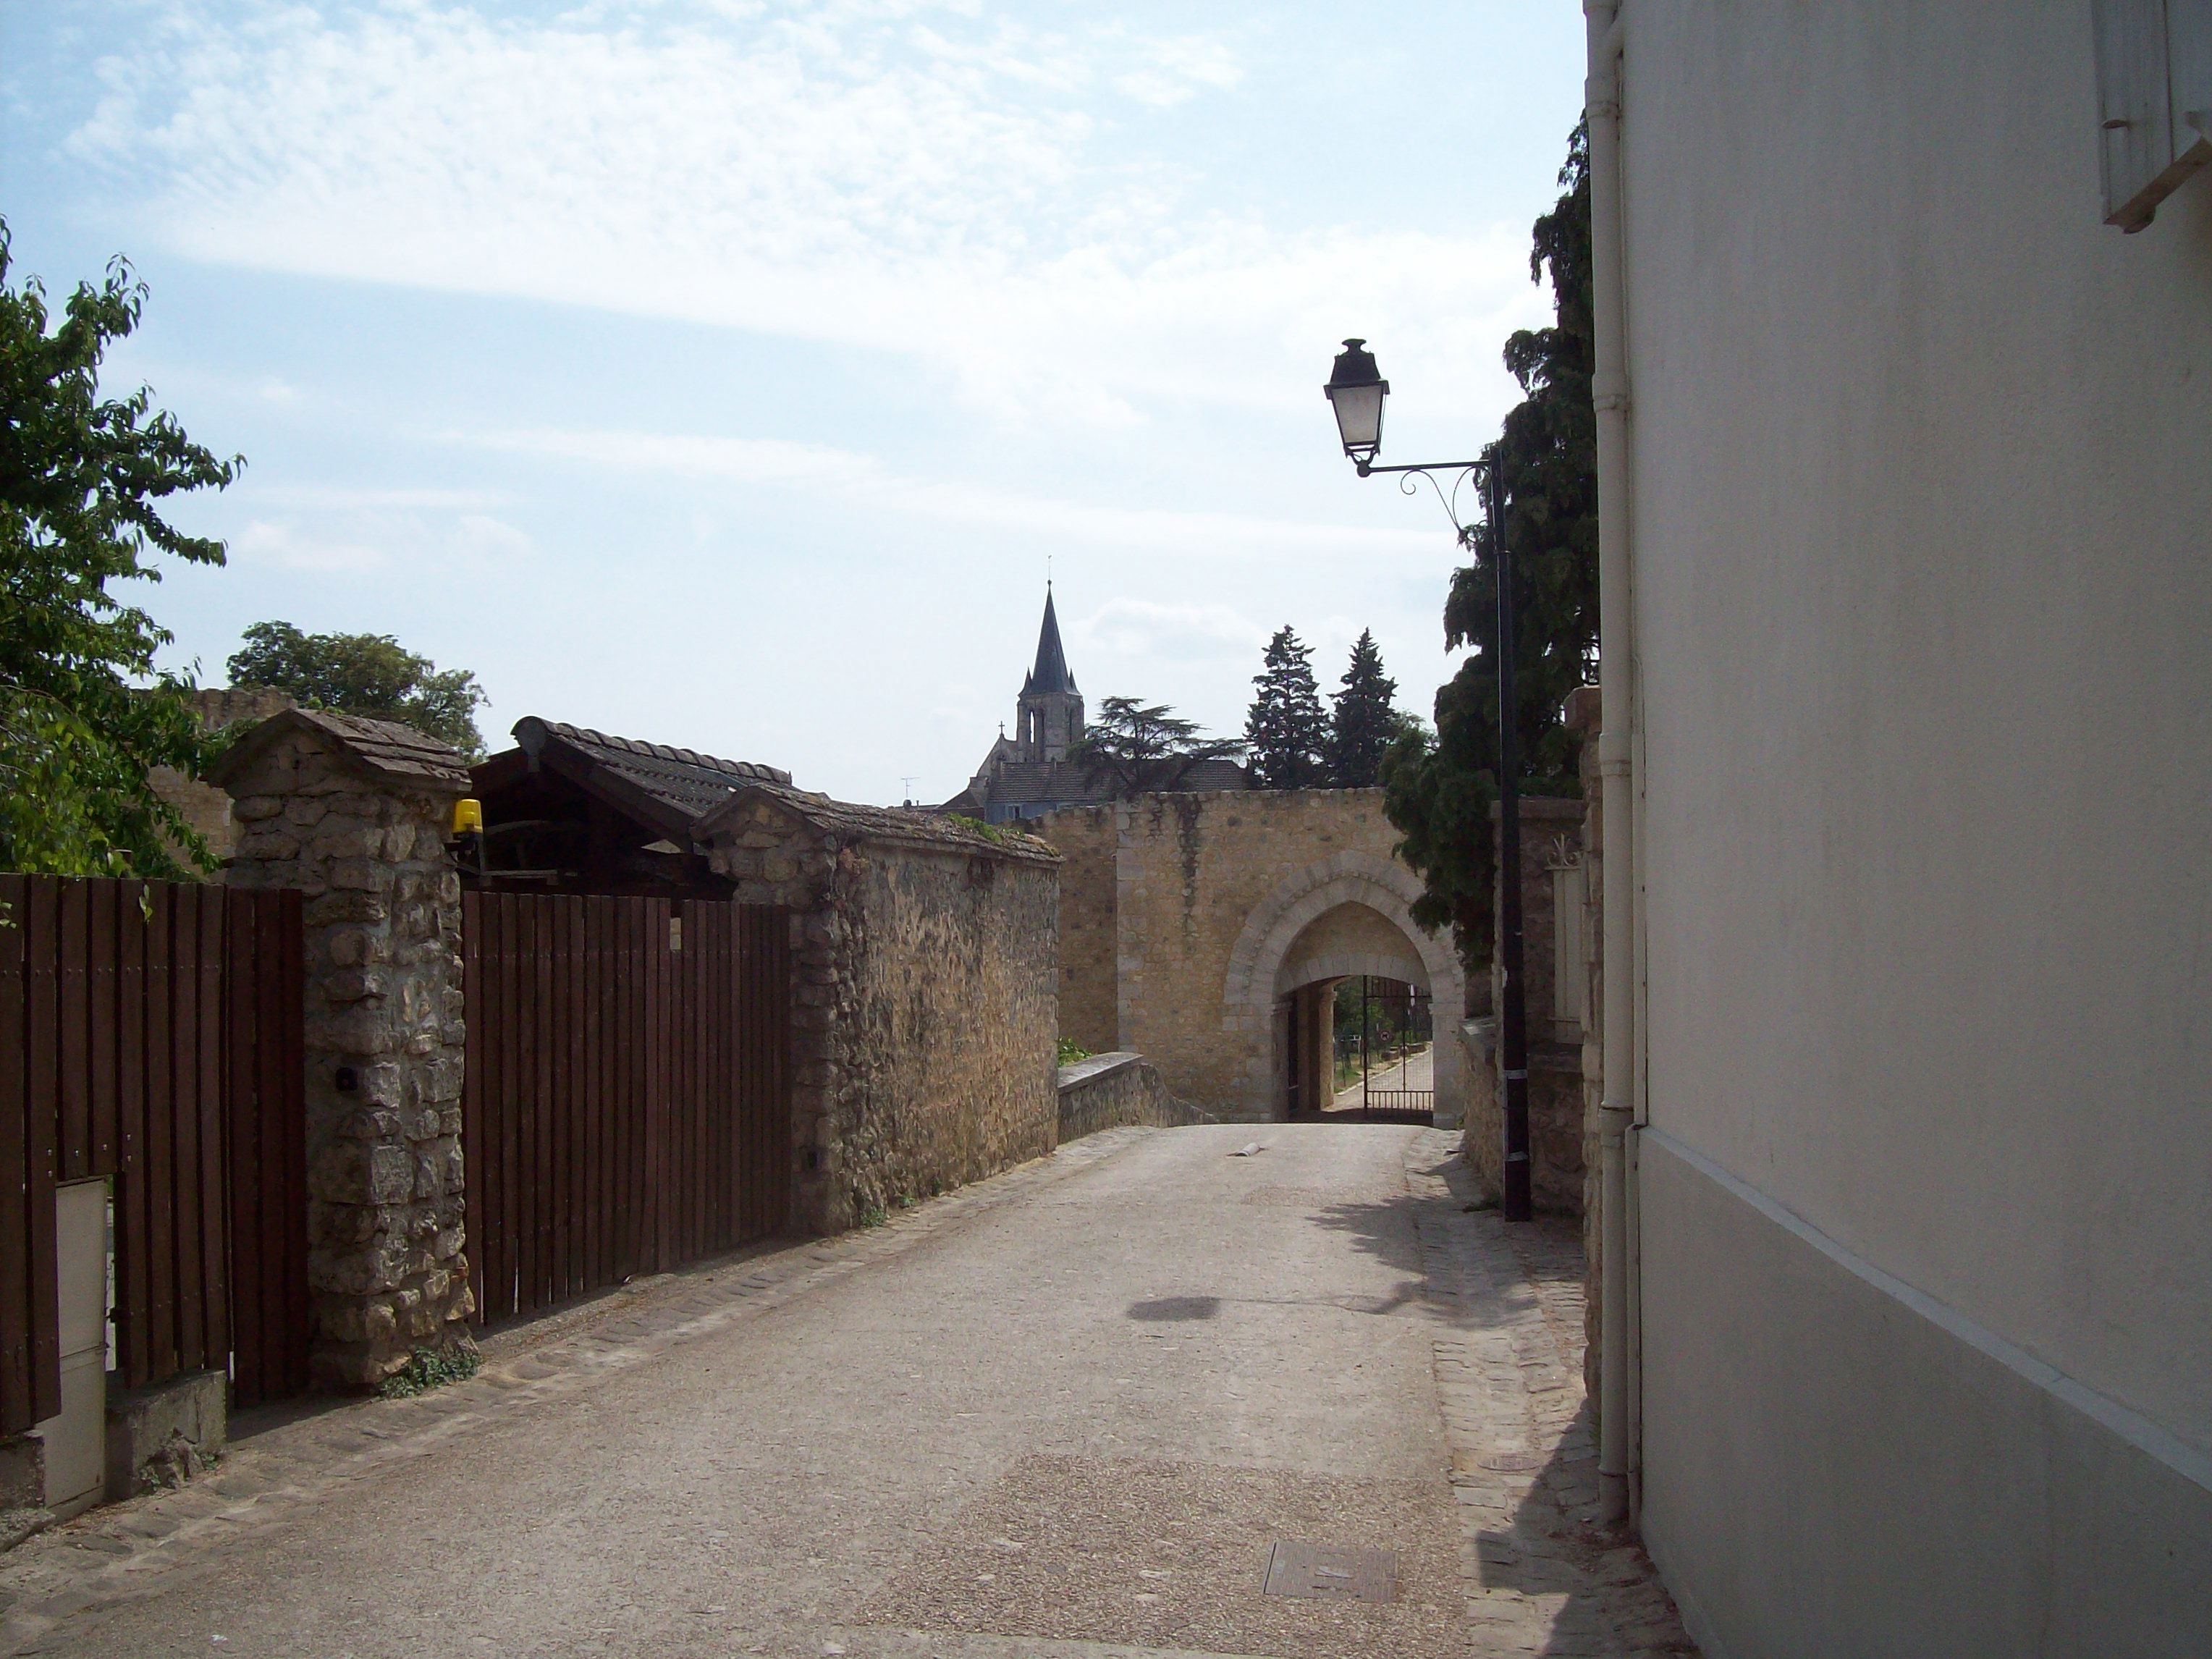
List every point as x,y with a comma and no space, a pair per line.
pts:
1207,931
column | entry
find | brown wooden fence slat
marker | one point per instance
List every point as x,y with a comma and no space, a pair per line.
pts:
101,1008
161,1137
17,1411
42,952
748,1019
276,1237
242,1141
574,1204
633,1201
182,1346
564,1278
214,1191
72,1034
132,1032
472,1015
546,920
486,1054
507,1147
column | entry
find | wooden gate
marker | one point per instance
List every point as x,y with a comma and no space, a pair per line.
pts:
150,1033
627,1101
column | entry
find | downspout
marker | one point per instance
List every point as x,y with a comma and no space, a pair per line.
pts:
1609,393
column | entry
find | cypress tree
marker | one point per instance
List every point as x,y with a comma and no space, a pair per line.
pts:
1287,732
1362,722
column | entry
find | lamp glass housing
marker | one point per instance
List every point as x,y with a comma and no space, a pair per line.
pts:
1356,390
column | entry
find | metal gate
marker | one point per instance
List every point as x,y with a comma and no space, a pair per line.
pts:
151,1035
1393,1046
627,1105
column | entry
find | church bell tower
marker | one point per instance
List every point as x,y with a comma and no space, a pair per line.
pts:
1048,714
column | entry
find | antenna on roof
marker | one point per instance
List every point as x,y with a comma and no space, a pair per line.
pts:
909,782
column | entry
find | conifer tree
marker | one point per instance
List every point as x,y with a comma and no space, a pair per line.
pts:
1286,733
1362,723
1145,747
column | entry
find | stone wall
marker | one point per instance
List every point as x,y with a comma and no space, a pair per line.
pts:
925,1021
1551,835
1086,838
354,813
203,806
1107,1092
1213,897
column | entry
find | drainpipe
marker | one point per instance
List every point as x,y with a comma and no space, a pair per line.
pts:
1609,390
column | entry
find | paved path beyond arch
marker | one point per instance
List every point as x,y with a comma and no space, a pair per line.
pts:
1068,1412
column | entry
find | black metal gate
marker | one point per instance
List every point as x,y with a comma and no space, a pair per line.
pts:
1386,1029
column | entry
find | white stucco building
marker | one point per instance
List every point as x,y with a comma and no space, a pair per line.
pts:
1908,492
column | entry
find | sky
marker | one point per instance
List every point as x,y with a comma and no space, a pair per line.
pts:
733,374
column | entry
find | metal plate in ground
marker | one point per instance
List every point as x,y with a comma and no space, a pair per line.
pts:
1327,1574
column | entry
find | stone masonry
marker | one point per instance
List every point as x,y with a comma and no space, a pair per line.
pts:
355,814
925,1019
1551,836
1193,917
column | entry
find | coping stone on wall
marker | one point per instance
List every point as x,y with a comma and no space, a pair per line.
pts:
383,751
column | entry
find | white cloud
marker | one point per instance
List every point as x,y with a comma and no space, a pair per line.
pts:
1140,628
482,539
342,497
906,177
366,535
848,472
283,546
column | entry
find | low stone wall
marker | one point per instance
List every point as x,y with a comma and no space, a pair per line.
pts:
1555,1119
1107,1092
925,1025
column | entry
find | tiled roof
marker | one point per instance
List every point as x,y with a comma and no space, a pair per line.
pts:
383,750
849,821
684,779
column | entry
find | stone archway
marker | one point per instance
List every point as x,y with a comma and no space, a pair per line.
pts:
1287,938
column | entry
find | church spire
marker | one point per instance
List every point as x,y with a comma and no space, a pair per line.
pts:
1050,673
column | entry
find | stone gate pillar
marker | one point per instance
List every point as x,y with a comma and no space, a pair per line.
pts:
354,813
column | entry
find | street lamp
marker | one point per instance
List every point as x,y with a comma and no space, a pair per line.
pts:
1355,391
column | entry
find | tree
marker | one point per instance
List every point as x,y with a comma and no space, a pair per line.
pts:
1286,733
85,716
371,675
1362,723
1145,747
1439,790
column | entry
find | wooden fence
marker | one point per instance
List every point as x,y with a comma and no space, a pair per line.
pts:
150,1033
627,1097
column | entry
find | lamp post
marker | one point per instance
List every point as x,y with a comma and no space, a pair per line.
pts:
1356,390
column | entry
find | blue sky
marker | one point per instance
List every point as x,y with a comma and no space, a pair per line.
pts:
726,373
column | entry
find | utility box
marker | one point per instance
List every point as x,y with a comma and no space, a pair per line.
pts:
2153,101
76,1438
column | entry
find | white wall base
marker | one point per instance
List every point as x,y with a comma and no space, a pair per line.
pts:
1836,1465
